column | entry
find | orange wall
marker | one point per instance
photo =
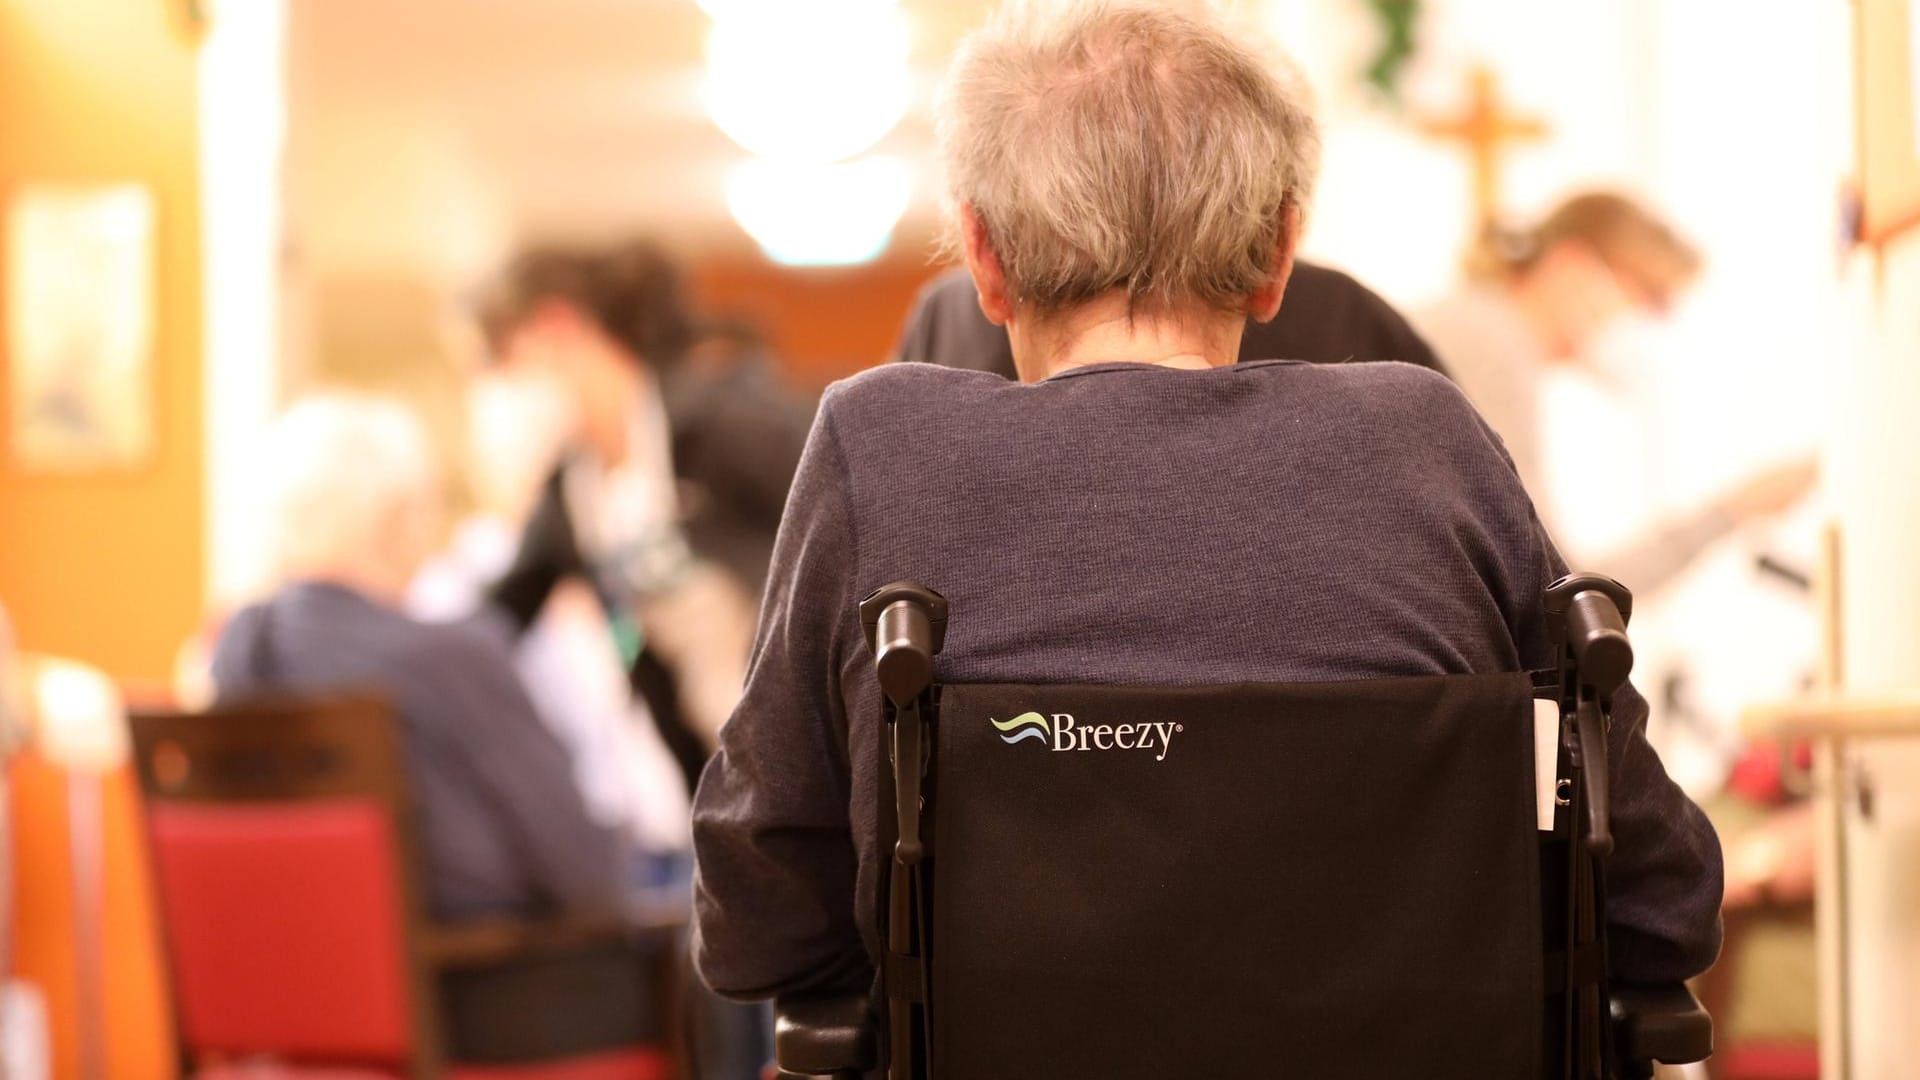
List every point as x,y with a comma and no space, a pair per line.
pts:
107,567
825,323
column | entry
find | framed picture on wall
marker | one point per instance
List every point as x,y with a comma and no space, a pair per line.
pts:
79,337
1888,41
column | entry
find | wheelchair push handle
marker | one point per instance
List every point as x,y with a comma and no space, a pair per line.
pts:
1588,614
1598,636
903,651
906,626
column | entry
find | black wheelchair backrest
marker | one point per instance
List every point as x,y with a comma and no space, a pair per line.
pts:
1390,877
1206,882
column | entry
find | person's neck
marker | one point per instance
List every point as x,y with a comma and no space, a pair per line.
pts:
1535,297
1101,331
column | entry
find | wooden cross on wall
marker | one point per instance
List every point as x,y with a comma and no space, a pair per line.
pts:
1485,129
190,19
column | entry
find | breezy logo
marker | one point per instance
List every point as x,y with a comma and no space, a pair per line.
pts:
1028,725
1062,733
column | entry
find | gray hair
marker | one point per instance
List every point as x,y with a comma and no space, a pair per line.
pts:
341,470
1128,146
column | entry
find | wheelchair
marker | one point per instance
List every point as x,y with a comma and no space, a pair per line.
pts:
1303,880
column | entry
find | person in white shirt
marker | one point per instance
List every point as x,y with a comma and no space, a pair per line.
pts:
1519,337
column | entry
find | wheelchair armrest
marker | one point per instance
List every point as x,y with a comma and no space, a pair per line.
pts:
488,943
491,942
1663,1023
825,1034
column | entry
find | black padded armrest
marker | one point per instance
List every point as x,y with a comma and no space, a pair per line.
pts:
1663,1023
825,1034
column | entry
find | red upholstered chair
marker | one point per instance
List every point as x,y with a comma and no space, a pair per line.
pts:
283,860
1754,1059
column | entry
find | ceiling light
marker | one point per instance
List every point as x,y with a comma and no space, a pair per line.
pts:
812,214
807,82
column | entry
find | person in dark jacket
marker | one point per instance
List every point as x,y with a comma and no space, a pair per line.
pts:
1327,318
1137,507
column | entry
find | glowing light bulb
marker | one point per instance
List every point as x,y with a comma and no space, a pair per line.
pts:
814,214
806,82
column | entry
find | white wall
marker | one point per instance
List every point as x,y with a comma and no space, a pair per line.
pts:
1394,206
1731,116
1877,466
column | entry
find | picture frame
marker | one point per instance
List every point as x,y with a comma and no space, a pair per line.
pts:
1888,108
79,308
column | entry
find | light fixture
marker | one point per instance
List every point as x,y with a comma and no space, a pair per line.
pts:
814,214
819,81
725,9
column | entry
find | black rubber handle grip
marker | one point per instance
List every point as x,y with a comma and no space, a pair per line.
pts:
903,651
1598,637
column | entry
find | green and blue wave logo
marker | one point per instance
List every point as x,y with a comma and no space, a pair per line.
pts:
1028,725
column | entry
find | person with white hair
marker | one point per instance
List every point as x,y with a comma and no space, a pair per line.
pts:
353,496
1128,184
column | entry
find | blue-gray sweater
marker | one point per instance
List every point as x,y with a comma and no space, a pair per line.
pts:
502,826
1133,524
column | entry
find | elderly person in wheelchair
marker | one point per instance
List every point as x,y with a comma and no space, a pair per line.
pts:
1232,742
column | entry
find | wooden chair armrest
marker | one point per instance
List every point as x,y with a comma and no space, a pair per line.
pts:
484,943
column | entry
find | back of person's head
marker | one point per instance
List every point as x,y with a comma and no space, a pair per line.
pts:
731,339
352,491
631,292
1126,146
1627,236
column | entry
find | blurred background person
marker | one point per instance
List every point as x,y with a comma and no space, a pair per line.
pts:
522,810
1521,339
603,334
1326,317
1540,338
738,425
569,657
503,828
1534,338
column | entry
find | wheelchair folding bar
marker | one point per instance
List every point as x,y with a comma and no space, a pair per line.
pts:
906,626
1586,621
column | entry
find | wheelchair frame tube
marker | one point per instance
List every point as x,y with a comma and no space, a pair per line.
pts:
905,625
1586,620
